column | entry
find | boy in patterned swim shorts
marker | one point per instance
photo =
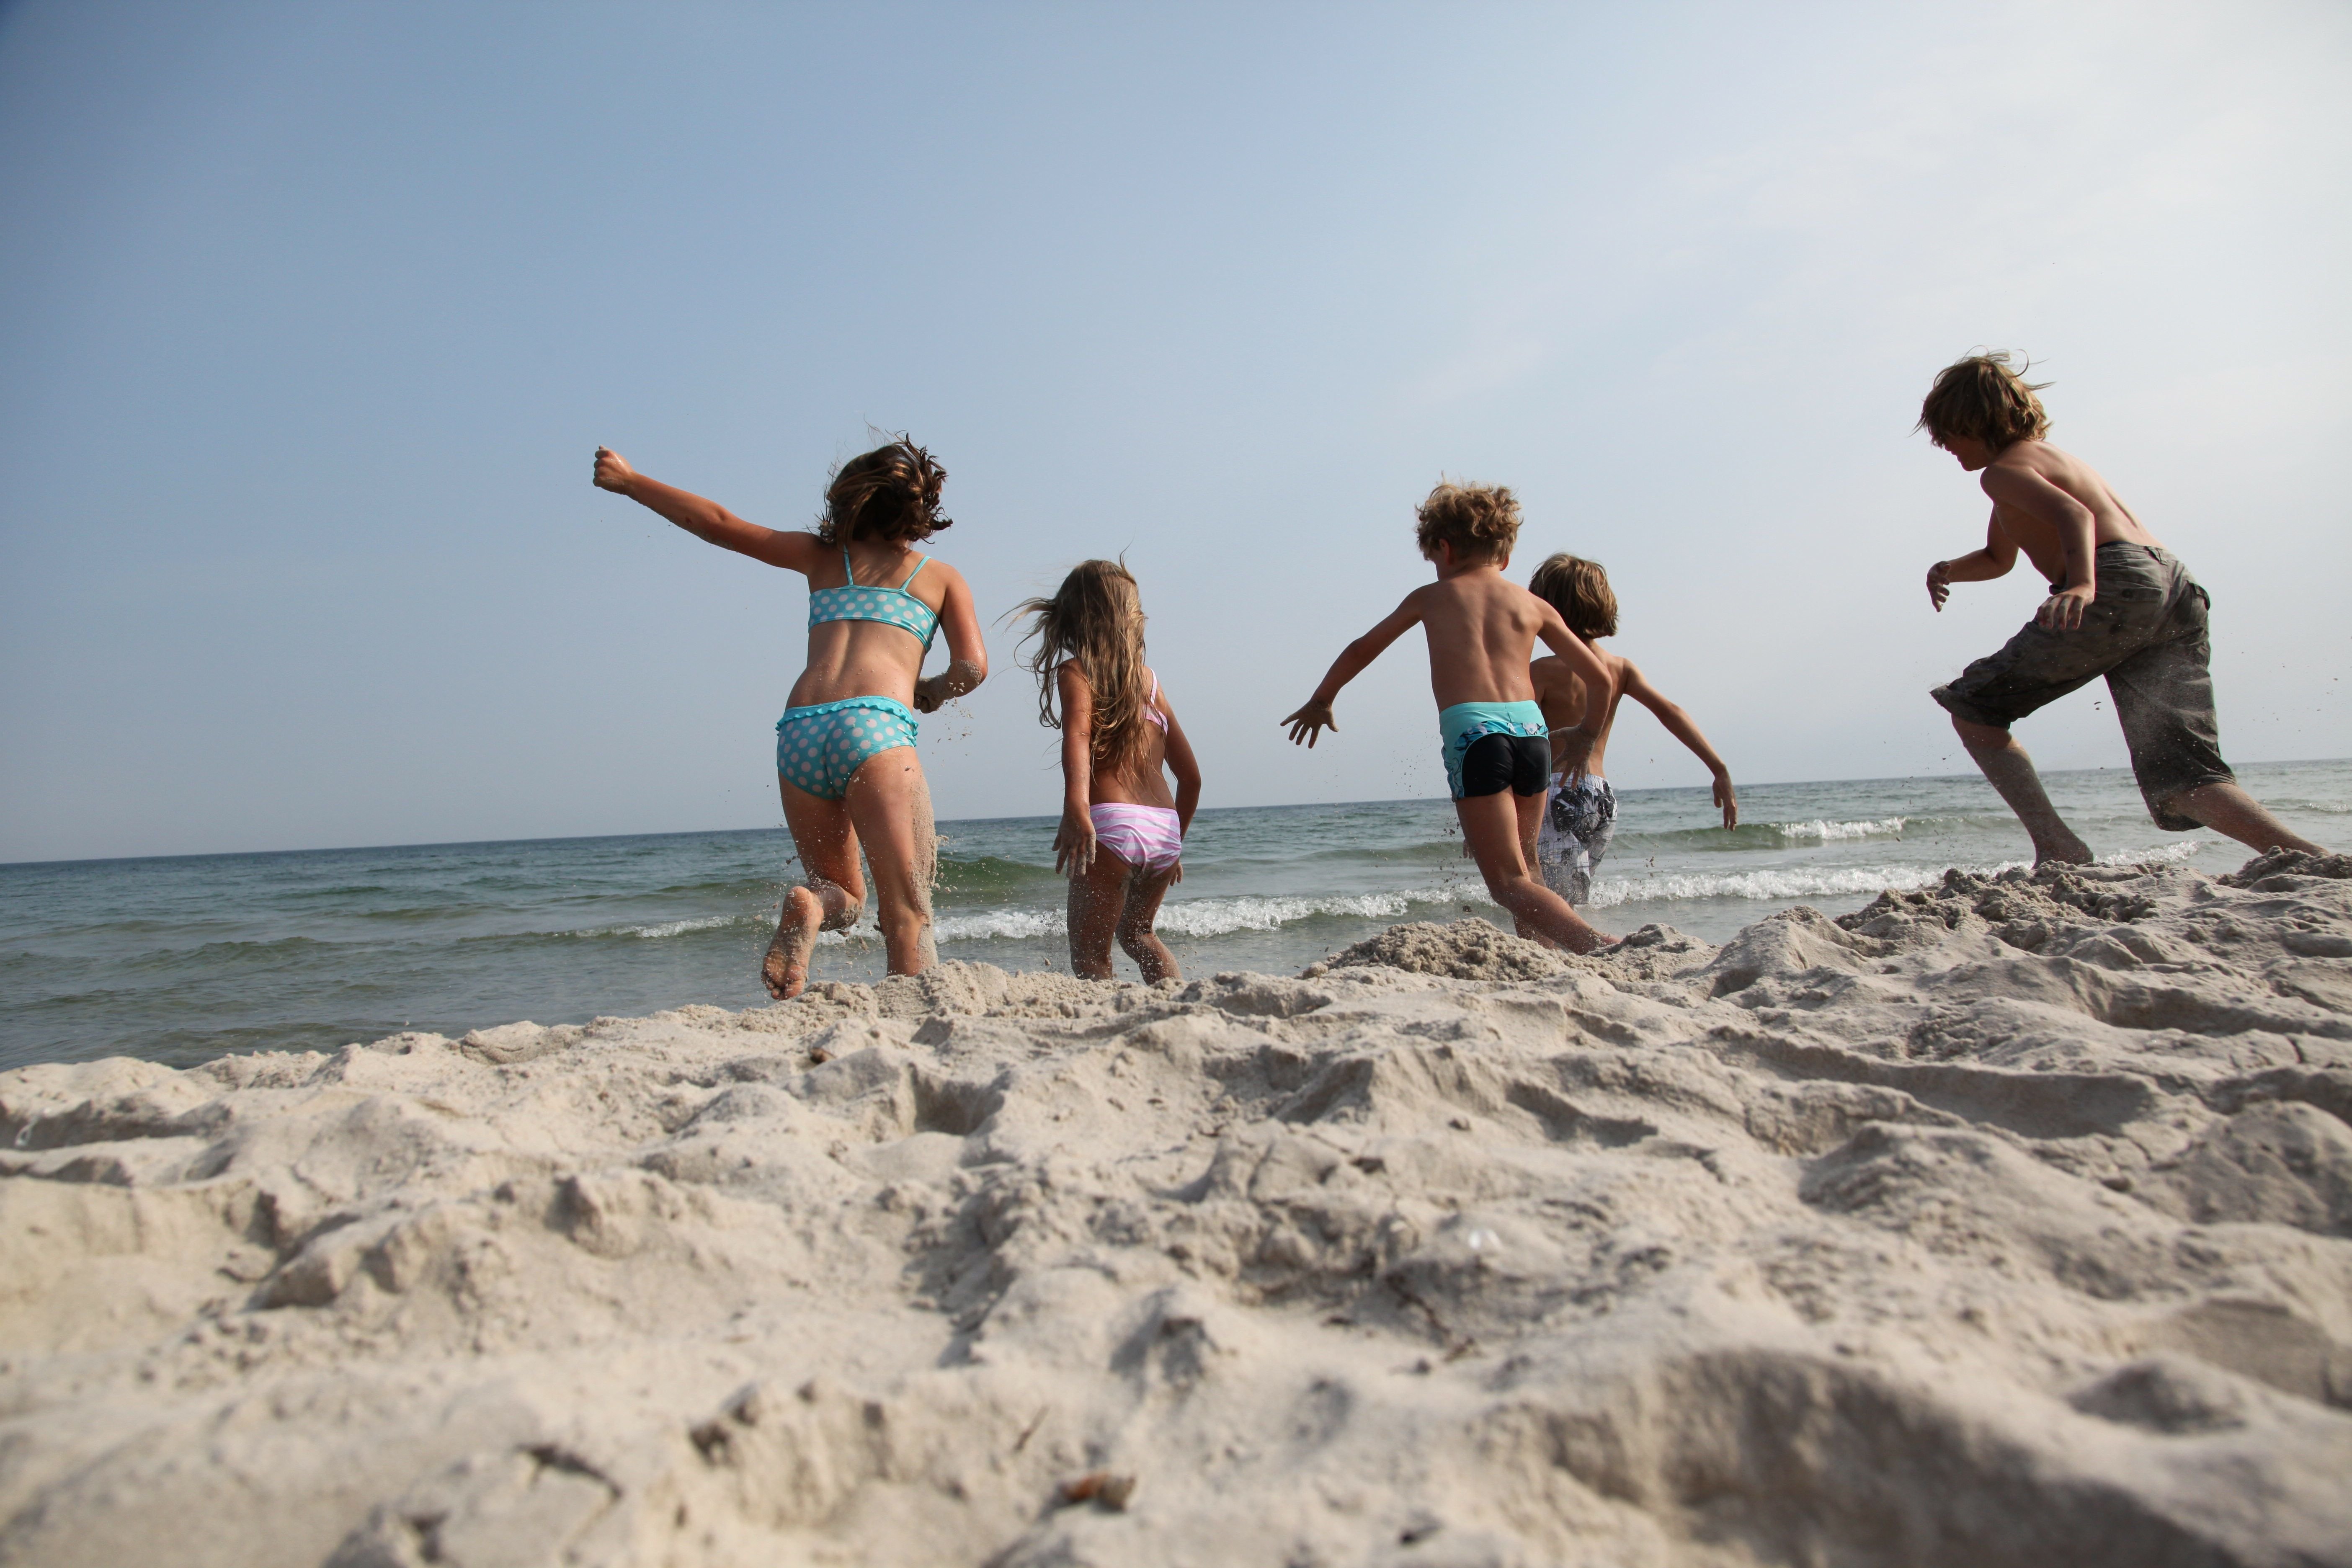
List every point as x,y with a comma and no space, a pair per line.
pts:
2120,605
1580,813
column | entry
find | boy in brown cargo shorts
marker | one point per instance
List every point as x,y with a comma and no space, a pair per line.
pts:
2120,605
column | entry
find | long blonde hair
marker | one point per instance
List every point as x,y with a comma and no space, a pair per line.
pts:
1095,618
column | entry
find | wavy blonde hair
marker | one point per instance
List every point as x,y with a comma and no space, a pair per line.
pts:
1095,619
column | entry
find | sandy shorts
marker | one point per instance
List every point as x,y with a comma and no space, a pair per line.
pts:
2146,633
1579,821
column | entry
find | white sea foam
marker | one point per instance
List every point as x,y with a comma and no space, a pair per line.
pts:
670,928
1776,883
2162,854
1204,917
1831,832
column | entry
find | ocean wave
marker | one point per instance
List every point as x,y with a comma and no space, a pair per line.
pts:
1208,917
660,928
1825,832
1787,882
2160,855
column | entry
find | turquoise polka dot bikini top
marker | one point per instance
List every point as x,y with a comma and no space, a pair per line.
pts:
891,606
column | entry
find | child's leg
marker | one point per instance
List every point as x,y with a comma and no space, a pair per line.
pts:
2164,697
1098,895
834,893
1494,826
1136,937
2227,808
892,809
2011,771
1530,824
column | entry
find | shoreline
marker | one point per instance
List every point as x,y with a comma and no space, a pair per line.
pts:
1968,775
2006,1218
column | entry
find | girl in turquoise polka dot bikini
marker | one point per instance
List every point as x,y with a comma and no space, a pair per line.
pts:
846,755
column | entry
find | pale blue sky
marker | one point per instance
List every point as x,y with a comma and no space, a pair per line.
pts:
310,316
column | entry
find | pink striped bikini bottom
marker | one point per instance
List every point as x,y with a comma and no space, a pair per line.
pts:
1146,837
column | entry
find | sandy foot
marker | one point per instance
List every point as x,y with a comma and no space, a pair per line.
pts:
784,971
2005,1221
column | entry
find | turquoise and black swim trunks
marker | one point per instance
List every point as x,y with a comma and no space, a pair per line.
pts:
1519,758
819,747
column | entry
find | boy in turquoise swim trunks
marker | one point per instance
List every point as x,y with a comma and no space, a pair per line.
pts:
1481,630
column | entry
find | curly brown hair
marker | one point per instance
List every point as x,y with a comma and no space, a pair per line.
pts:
1579,589
891,493
1477,521
1987,397
1095,620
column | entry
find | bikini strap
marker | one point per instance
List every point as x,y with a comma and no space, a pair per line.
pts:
848,571
918,571
1154,701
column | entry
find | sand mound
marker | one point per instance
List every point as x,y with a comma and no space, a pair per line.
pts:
2006,1221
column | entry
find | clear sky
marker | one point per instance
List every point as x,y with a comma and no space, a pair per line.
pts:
311,314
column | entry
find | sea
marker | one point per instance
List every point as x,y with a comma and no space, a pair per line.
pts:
178,960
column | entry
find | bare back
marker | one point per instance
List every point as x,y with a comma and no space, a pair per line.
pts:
868,658
2022,473
1143,781
1481,628
1562,696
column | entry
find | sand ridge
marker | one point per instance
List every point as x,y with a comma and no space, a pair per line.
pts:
2009,1220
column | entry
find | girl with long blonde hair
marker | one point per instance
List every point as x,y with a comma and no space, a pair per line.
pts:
1121,840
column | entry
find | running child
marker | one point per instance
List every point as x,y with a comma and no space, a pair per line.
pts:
1122,836
1481,629
1580,815
2120,605
845,758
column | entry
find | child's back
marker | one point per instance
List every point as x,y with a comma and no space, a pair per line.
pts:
1481,628
1580,815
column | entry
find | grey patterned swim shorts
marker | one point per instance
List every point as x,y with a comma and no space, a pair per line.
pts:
2146,633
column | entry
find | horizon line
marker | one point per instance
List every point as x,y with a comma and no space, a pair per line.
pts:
1026,816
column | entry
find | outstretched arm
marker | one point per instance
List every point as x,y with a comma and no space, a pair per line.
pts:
2078,530
1315,717
1998,554
703,518
1572,748
1679,724
967,650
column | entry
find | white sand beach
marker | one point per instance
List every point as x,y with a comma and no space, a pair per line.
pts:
2007,1222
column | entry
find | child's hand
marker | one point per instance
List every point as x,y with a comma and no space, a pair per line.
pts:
1074,844
1309,721
2062,611
1728,801
1939,584
612,470
927,696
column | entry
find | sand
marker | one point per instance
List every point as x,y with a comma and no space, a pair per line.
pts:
2006,1222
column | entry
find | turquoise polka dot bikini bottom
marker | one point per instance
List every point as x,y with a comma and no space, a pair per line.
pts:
818,748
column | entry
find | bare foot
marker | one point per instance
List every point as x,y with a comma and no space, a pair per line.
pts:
784,972
2075,854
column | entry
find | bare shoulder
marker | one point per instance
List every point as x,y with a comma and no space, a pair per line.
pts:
944,577
1552,679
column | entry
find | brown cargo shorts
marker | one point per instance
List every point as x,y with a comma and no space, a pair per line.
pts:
2146,633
